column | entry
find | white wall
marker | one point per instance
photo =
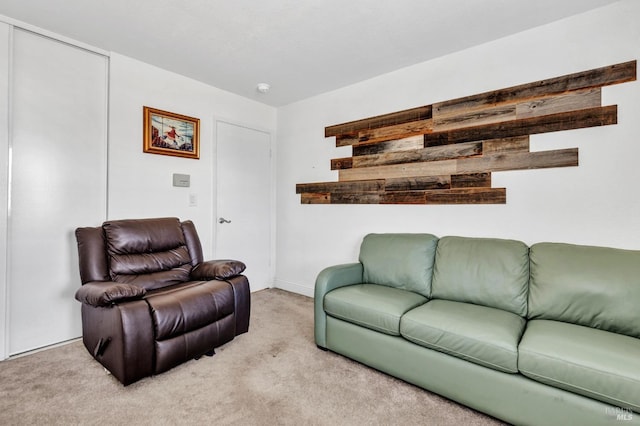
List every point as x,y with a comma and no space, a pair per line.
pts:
596,203
140,185
5,30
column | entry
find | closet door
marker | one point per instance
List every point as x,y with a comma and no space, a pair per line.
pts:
58,182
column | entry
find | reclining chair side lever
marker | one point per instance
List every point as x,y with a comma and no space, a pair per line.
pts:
101,346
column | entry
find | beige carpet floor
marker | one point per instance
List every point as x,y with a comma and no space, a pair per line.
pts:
273,375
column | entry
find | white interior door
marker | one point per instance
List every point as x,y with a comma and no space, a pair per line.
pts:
58,182
244,200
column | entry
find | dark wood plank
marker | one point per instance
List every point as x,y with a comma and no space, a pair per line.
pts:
346,140
341,163
341,187
413,114
368,148
504,161
471,180
404,197
468,196
425,154
590,117
363,198
417,183
612,74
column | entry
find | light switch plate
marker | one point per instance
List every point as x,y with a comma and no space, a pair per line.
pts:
183,181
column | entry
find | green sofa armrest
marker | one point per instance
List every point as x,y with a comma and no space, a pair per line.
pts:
329,279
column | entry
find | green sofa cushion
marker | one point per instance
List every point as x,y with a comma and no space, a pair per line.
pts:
597,287
484,271
482,335
373,306
403,261
601,365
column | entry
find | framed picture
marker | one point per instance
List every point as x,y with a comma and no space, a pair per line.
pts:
168,133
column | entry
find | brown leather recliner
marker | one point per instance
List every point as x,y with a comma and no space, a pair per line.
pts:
149,302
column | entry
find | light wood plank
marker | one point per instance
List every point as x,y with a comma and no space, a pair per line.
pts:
311,198
424,154
368,148
398,131
457,119
518,161
429,168
571,101
518,143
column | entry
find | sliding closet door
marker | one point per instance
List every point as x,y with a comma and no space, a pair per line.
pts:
58,182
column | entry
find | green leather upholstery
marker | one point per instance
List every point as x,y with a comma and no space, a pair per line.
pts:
403,261
595,363
328,279
484,271
592,286
513,398
547,335
373,306
485,336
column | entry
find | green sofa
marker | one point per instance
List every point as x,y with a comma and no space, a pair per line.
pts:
547,334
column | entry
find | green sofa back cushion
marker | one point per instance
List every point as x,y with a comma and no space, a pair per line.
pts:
403,261
484,271
597,287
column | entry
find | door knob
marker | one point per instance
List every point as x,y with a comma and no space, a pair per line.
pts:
223,220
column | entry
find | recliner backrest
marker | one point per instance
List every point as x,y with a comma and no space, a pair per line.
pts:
484,271
149,253
596,287
402,261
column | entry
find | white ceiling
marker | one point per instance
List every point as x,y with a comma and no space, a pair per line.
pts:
300,47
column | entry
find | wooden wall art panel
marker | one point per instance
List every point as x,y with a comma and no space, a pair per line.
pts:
445,153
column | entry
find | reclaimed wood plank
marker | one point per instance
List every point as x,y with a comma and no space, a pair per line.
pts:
471,180
363,198
424,154
417,183
404,197
590,117
311,198
341,163
571,101
347,139
412,114
368,148
518,143
468,196
429,168
504,161
466,118
598,77
341,187
398,131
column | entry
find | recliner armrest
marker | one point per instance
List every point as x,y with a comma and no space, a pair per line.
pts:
217,269
106,293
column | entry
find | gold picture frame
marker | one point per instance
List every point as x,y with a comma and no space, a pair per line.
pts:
167,133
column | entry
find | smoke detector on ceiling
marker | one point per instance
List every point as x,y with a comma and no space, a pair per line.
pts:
263,87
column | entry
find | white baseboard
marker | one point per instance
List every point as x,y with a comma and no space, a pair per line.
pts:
294,287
